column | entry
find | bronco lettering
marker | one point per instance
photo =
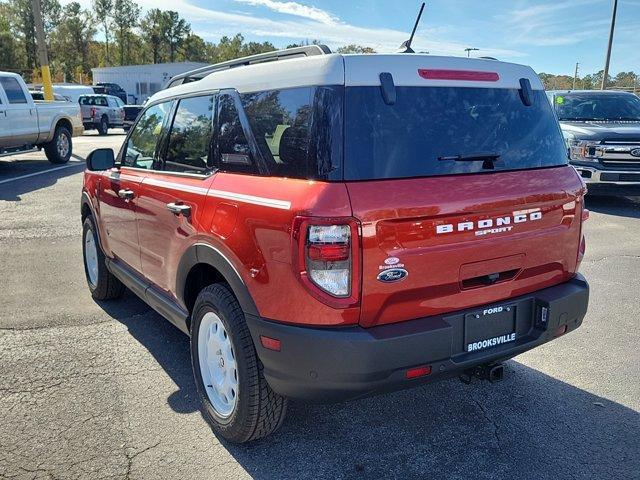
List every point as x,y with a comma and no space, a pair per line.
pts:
488,223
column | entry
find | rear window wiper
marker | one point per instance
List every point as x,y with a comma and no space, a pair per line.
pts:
487,159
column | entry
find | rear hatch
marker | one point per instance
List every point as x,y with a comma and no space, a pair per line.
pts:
462,188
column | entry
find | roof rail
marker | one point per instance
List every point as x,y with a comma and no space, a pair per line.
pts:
296,52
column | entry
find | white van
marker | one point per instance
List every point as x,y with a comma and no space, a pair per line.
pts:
73,92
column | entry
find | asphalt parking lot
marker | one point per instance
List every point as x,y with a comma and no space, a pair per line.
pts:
95,391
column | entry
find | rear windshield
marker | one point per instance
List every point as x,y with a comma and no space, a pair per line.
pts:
447,130
579,106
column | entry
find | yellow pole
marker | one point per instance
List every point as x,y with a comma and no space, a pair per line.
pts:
42,51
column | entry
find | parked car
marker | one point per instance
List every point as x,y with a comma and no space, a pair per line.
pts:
101,112
330,232
111,89
131,113
38,96
25,124
72,92
602,131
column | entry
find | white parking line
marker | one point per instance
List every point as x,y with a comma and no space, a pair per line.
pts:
71,164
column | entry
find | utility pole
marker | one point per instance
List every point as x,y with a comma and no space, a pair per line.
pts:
613,26
575,75
469,50
42,51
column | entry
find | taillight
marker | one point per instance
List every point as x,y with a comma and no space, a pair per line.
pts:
93,112
328,258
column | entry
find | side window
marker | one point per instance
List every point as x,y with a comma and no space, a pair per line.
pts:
141,147
101,101
119,103
233,152
281,122
13,90
190,136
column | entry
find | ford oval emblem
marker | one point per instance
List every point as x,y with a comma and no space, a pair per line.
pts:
635,152
393,275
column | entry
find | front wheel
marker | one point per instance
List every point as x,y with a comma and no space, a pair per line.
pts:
59,149
236,400
102,283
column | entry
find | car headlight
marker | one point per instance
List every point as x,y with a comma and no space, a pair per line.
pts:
583,150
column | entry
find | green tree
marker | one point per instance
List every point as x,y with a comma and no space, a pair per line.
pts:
353,48
8,45
195,49
176,30
125,18
152,27
73,39
103,11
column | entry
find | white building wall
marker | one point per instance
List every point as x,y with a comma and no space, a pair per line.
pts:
141,81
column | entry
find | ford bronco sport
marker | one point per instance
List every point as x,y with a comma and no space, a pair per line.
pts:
327,227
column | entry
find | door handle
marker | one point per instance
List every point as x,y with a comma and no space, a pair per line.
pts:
178,209
126,194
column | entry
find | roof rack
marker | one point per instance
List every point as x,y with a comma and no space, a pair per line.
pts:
286,54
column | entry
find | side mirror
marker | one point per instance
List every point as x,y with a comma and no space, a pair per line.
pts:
101,159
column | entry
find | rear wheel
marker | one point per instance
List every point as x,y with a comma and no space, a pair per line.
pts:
236,399
102,284
103,126
59,149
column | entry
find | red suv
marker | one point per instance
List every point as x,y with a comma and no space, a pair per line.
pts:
326,227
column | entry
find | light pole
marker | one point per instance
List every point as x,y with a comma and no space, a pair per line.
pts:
42,51
575,75
469,50
613,26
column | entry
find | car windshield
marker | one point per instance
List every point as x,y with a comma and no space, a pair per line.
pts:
597,106
447,130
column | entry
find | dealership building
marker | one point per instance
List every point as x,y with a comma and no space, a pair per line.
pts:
142,81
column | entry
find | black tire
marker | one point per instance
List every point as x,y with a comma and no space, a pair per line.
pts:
259,411
107,287
103,126
55,153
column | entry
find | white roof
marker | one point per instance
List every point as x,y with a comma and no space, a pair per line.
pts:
361,70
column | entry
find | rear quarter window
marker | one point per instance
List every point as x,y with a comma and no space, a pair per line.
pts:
296,130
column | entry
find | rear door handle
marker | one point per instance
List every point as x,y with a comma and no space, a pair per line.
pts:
178,209
126,194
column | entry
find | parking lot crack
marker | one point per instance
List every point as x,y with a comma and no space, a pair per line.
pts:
492,422
133,456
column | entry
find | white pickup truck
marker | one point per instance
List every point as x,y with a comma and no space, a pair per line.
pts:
26,125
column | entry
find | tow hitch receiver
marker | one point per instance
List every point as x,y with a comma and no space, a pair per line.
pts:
493,373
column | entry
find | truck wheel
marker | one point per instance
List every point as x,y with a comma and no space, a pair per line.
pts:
236,400
103,126
102,284
59,149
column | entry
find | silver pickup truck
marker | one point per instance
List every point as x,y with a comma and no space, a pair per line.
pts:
602,132
26,125
101,111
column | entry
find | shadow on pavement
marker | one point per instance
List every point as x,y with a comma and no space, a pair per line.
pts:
11,191
614,205
530,425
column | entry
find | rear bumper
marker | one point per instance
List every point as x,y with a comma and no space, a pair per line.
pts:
335,364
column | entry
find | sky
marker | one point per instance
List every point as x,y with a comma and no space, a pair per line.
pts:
551,36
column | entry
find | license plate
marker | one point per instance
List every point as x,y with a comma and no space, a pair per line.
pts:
489,328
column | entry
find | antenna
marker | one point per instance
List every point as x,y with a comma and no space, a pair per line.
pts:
406,45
